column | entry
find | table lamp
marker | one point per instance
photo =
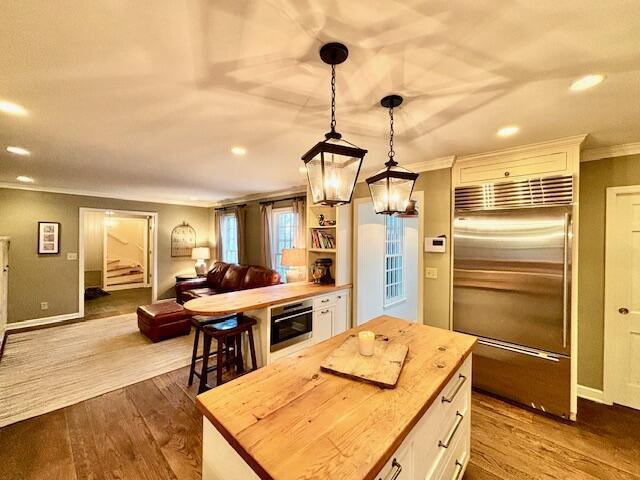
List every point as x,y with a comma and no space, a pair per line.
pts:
200,254
294,258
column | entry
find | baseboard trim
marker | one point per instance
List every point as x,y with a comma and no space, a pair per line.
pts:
165,300
36,322
592,394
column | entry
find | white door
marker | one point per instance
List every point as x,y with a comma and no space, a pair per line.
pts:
622,297
381,290
4,282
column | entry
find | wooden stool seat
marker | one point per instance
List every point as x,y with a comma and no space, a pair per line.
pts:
228,333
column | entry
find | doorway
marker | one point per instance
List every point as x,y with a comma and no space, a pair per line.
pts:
622,297
388,261
117,261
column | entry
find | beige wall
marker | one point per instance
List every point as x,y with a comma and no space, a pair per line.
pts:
53,278
595,178
436,185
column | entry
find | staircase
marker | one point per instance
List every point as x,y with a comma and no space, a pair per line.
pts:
123,274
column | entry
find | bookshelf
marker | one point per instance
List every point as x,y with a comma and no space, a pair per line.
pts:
330,241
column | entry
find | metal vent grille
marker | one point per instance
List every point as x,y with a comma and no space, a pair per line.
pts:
535,192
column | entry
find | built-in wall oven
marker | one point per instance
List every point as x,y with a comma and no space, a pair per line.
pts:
291,324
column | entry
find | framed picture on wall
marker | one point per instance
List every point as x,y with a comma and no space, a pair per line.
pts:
48,238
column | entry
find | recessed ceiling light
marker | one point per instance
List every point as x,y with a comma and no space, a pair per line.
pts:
193,199
12,108
508,131
24,179
18,151
302,169
238,151
586,82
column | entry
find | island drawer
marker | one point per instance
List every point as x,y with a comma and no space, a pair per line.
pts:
453,465
324,301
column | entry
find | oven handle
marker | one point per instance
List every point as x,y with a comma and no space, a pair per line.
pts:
298,314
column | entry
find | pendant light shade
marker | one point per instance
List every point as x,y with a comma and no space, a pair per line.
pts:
333,164
391,187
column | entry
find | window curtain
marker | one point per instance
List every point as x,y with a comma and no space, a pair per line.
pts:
241,214
266,252
299,208
216,244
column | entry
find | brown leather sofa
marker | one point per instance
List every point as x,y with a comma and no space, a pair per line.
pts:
226,277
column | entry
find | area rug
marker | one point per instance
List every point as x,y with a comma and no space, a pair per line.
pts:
44,370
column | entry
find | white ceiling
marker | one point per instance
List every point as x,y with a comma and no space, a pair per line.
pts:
145,99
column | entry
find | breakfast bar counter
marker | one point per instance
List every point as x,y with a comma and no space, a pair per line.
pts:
290,420
245,300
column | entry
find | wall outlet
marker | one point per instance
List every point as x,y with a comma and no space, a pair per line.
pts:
72,256
44,305
431,272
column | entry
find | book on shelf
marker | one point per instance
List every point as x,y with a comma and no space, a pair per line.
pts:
322,239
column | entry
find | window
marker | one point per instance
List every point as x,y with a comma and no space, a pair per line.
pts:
285,227
229,238
394,260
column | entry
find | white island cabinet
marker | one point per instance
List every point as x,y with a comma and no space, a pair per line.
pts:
295,421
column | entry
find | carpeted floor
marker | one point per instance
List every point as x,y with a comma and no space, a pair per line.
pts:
44,370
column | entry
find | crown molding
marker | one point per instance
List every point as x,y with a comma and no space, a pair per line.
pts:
88,193
573,141
591,154
261,196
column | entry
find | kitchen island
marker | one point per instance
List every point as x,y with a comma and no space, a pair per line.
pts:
289,420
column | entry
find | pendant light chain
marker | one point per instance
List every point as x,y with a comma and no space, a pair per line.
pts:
333,98
391,152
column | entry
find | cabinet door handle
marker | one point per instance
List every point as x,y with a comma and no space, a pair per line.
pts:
452,433
324,311
398,468
458,471
461,380
506,174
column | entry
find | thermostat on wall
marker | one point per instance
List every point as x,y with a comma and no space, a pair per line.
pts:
435,244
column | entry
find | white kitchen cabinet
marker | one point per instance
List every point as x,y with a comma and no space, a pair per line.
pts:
341,318
542,165
323,324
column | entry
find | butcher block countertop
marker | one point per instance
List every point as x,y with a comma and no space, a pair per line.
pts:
289,420
255,298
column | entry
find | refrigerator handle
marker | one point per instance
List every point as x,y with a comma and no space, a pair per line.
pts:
565,283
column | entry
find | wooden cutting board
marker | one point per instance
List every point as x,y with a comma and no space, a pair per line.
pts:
382,368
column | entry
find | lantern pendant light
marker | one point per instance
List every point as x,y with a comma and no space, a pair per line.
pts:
391,187
333,164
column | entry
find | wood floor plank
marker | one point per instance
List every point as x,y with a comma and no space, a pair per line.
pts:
117,443
170,417
497,443
38,449
602,433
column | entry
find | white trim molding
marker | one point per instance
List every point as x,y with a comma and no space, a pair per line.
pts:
591,154
592,394
35,322
165,300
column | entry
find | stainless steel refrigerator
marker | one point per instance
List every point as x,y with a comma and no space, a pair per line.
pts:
512,287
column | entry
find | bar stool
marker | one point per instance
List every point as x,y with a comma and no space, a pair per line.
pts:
228,334
198,322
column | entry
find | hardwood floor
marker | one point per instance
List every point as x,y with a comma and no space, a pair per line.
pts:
152,430
117,303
